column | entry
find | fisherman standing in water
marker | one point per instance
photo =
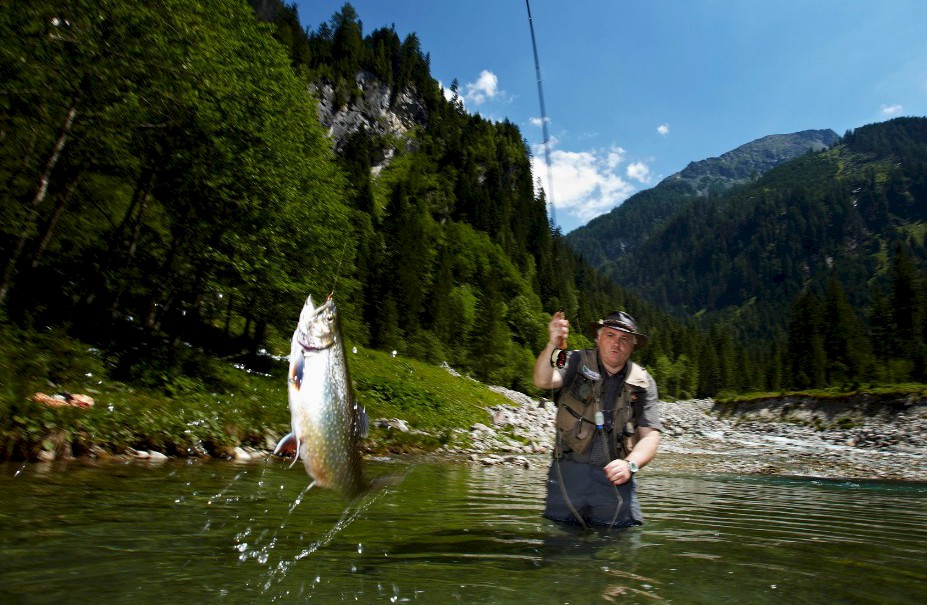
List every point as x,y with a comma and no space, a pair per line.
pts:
608,422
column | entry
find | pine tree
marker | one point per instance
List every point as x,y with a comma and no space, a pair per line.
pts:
908,312
807,356
849,355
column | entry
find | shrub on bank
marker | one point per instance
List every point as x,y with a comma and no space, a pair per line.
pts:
193,404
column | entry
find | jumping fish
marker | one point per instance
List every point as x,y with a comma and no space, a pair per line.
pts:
327,421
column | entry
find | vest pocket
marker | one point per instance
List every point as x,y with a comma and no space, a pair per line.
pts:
576,430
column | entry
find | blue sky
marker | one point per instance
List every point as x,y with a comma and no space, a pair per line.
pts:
636,89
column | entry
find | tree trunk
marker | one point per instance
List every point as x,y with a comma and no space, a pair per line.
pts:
39,196
228,315
166,292
45,178
49,229
139,198
260,332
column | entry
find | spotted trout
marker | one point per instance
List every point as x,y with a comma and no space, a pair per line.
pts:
326,418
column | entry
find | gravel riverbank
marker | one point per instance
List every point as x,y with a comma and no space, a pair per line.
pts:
834,440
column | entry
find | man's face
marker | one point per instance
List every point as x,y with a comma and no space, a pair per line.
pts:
615,347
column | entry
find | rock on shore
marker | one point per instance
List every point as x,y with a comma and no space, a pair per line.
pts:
853,440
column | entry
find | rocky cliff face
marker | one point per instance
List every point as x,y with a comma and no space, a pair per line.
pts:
372,110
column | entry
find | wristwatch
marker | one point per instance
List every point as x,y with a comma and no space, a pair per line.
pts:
632,466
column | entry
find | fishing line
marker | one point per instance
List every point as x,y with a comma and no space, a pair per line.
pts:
344,250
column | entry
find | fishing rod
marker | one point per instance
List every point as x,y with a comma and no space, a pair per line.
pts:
547,162
562,314
537,71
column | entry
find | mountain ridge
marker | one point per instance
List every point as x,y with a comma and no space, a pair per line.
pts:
607,237
752,159
831,213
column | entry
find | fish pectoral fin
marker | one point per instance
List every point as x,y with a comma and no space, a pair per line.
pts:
287,446
361,422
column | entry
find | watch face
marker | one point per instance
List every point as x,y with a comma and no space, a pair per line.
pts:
632,466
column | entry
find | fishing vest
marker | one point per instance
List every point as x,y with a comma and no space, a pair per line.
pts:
578,402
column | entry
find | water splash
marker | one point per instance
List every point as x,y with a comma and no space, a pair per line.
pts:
223,491
278,570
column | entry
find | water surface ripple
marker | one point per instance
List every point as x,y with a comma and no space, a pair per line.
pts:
215,532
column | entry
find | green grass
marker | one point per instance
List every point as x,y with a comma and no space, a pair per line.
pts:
899,391
430,399
197,405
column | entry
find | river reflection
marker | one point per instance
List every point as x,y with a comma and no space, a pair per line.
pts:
214,532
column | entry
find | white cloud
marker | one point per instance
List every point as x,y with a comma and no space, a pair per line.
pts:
538,122
639,171
585,183
889,111
485,87
663,129
614,157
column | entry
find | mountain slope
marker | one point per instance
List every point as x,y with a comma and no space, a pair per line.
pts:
750,161
837,212
608,237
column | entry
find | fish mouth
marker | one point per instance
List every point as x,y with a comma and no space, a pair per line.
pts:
316,327
317,311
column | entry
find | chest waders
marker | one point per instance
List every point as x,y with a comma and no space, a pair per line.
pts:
584,417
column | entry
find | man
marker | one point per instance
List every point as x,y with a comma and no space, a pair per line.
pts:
608,422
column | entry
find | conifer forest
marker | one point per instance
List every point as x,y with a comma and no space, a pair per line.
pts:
166,182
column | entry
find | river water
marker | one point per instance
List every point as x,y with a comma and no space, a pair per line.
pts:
219,532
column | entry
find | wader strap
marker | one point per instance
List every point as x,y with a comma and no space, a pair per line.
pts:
563,490
610,444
